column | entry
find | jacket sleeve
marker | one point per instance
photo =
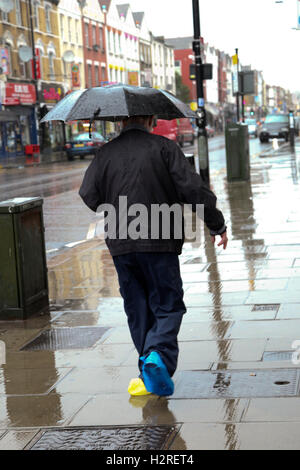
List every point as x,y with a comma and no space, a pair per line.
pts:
89,191
191,188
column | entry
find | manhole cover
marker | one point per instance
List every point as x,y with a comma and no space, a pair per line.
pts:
237,384
106,438
278,356
66,338
266,308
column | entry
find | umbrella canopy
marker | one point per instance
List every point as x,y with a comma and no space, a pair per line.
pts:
116,102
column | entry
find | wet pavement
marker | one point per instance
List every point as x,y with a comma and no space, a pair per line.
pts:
236,386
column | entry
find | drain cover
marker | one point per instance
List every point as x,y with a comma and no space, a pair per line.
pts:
106,438
237,384
266,308
66,338
278,356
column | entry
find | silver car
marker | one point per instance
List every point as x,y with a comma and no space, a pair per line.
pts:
275,126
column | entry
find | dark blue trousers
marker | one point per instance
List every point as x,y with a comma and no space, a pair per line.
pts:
151,286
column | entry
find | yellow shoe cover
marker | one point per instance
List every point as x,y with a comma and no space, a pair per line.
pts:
137,388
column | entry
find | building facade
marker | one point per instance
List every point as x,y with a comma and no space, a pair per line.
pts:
94,44
27,92
71,45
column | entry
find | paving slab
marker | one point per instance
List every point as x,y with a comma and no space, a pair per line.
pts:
16,440
272,410
37,411
121,409
250,436
30,381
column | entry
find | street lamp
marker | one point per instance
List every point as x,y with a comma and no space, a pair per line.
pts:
201,112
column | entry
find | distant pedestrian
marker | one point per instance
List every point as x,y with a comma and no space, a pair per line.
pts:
149,169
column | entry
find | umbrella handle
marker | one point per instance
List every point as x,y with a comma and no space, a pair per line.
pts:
92,120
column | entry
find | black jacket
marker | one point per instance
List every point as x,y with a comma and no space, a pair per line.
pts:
148,169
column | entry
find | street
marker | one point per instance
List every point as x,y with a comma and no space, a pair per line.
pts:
67,220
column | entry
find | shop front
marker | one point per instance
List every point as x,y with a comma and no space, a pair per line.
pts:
52,134
17,122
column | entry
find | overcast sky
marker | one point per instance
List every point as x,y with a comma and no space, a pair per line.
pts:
261,29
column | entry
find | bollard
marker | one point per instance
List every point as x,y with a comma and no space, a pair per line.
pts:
23,268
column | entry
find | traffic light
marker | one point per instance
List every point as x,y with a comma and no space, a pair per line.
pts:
207,71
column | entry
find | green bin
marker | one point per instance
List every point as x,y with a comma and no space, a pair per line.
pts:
237,152
23,266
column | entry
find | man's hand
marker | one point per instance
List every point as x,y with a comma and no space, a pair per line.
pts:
224,240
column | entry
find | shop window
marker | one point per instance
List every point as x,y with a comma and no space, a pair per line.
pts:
18,12
48,18
103,74
24,129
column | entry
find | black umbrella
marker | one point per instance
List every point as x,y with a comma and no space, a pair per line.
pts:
116,102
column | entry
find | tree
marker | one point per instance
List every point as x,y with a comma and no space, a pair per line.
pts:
182,90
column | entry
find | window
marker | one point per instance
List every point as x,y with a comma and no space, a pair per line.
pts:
101,37
22,68
18,12
62,27
94,35
103,74
48,18
36,15
9,65
90,80
97,75
5,17
86,34
70,29
51,64
77,32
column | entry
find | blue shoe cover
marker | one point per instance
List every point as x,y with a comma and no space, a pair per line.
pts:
156,376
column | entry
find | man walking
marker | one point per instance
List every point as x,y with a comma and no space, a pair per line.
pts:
149,169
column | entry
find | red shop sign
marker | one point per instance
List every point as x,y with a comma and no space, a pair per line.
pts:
19,93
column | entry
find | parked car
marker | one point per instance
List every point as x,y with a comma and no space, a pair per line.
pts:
275,125
82,145
168,129
185,132
252,127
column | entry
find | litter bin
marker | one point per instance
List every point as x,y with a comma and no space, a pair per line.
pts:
237,152
23,268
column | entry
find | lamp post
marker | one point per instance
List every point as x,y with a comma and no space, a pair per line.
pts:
35,77
201,112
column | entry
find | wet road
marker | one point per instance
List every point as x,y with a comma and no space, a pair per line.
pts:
67,221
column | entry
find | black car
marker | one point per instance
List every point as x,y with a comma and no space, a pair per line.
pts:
275,126
82,145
